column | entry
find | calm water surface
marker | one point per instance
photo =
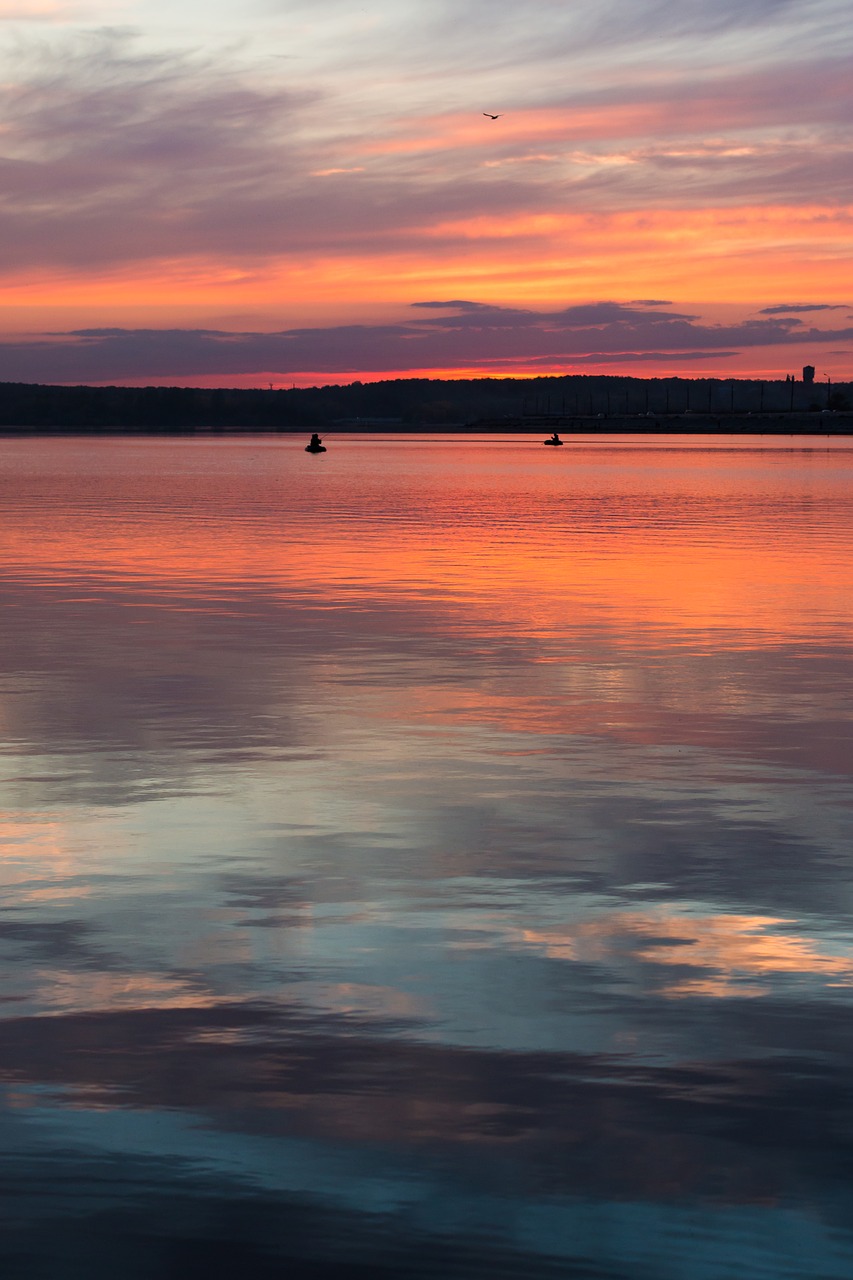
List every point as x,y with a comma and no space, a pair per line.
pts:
431,858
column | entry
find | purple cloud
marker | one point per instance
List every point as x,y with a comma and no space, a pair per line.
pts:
482,335
813,306
114,155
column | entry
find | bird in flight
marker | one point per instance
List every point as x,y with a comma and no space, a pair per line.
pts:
491,117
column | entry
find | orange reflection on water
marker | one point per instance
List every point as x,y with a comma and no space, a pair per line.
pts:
640,543
35,859
736,951
361,998
63,991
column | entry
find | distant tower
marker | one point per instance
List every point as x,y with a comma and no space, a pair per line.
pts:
808,374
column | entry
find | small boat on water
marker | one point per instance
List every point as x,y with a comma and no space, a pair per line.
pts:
316,445
554,440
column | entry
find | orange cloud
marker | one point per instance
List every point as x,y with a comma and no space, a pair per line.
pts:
458,130
743,255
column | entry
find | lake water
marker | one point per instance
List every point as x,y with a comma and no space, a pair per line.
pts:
428,859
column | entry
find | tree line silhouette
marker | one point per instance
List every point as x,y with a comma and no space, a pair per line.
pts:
405,403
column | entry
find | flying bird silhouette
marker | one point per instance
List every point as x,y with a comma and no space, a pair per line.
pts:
491,117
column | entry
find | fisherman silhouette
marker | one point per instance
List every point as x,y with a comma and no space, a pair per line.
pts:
555,439
316,445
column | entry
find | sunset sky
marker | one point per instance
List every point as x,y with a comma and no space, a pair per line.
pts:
292,192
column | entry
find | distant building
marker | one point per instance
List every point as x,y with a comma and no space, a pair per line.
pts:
808,374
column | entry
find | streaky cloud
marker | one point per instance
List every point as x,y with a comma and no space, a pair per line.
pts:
650,357
813,306
458,304
113,153
485,337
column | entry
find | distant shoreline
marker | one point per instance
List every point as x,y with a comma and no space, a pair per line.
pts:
571,404
832,423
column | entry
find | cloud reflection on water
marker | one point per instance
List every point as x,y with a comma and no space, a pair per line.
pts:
735,952
402,844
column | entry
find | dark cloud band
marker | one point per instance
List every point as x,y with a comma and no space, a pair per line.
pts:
467,334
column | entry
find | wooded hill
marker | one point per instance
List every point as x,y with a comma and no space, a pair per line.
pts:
404,403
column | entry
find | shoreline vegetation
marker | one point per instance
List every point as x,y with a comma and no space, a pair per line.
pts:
579,404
